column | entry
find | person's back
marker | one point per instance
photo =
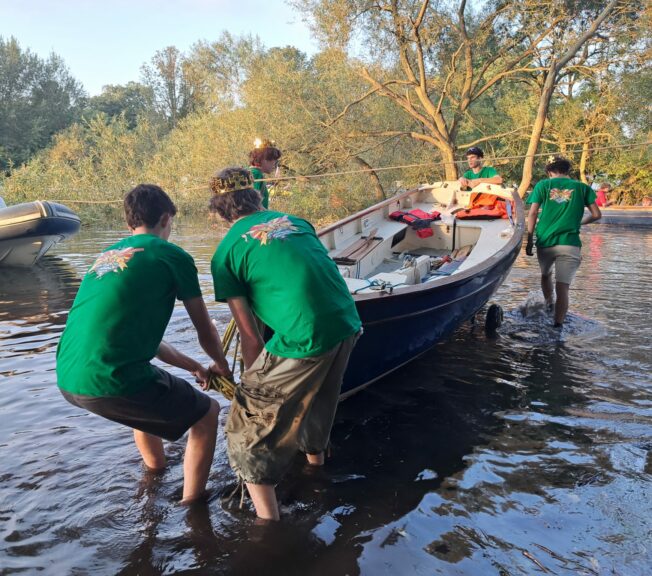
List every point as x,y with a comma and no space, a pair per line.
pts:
272,267
120,314
562,202
292,284
115,328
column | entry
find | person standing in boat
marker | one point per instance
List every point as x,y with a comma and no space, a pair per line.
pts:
477,173
562,202
116,327
271,266
263,160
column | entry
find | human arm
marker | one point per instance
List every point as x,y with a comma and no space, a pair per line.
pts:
250,338
493,180
207,334
593,215
170,355
532,217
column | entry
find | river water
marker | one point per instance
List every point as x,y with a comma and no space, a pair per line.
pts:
526,453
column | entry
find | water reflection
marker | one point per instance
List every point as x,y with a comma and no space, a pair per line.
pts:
41,293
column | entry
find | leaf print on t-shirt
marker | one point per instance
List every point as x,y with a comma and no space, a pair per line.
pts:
561,196
113,261
277,228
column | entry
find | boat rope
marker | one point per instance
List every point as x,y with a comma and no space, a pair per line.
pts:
226,386
384,169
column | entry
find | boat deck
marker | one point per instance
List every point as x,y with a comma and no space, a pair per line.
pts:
386,254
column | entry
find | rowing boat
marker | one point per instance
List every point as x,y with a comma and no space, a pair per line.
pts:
413,282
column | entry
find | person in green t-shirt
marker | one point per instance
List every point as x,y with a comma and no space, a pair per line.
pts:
562,202
263,160
115,328
271,267
478,174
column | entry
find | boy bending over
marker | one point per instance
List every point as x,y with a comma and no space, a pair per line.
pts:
116,327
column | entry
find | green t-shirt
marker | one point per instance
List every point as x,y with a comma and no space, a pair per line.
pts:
120,314
485,172
279,265
257,173
562,202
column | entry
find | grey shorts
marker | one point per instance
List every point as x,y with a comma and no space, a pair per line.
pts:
565,259
284,405
167,408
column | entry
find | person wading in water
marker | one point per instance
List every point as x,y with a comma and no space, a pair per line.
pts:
562,202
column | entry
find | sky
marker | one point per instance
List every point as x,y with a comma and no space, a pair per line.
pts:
107,41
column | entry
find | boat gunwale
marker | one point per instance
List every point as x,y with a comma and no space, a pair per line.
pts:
517,237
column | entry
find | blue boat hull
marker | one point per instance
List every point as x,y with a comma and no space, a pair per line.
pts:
400,327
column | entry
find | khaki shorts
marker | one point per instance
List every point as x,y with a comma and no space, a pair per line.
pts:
284,405
566,260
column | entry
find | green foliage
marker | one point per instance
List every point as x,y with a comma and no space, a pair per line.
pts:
38,98
132,100
197,113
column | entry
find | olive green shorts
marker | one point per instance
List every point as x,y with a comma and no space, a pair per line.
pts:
284,405
565,259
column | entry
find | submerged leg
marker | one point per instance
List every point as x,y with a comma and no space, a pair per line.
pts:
264,498
199,454
151,449
547,289
561,305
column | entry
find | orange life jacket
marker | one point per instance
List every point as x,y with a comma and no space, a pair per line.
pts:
484,206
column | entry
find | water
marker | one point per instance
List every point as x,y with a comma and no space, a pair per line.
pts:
527,453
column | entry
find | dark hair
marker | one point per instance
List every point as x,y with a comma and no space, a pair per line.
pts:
475,151
145,204
257,155
559,165
233,205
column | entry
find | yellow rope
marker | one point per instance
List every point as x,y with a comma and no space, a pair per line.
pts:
228,335
222,385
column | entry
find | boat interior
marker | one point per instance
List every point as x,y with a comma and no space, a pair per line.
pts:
376,252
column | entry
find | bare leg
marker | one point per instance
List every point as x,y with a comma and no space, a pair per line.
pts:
151,449
561,306
264,499
315,459
546,288
199,454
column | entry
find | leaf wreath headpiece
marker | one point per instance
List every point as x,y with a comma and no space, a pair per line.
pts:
241,180
260,143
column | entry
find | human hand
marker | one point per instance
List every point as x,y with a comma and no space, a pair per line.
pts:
201,375
221,369
463,182
529,247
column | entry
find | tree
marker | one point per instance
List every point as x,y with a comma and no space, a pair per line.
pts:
562,48
133,100
437,63
38,98
165,76
217,70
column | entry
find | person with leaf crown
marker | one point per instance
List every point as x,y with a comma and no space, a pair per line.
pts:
272,266
263,159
